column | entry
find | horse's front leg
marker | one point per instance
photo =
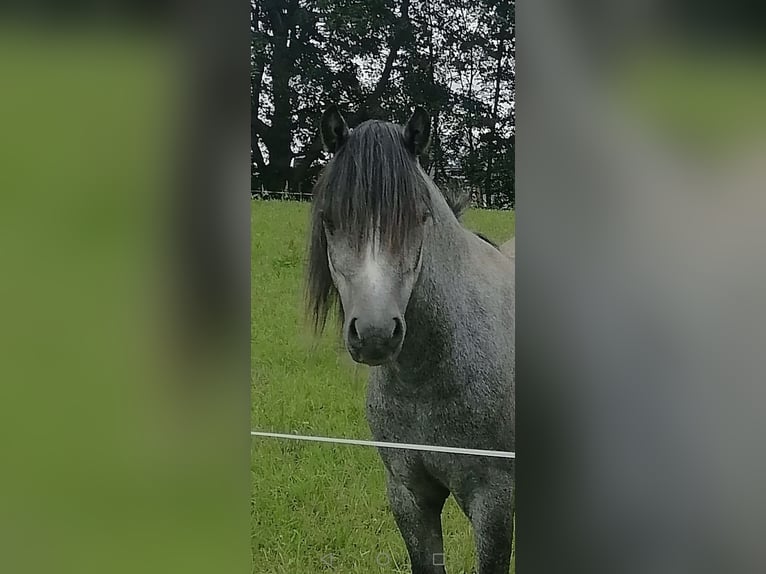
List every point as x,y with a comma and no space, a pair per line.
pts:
417,508
490,509
493,529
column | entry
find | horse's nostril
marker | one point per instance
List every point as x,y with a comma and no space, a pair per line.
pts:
397,328
353,333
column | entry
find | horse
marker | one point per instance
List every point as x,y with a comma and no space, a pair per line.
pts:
430,307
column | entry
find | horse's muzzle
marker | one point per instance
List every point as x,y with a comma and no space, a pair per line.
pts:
375,344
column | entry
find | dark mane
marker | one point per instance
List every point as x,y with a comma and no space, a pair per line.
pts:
459,200
373,180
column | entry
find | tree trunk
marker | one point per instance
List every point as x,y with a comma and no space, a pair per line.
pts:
282,69
492,146
433,157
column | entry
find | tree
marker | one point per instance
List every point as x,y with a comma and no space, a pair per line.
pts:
376,59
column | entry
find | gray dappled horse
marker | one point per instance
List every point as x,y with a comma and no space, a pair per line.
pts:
429,306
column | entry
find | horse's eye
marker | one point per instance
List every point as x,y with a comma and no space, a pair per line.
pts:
425,217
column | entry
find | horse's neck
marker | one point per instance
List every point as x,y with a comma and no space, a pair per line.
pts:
433,312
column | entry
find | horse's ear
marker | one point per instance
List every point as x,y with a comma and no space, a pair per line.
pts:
417,132
334,129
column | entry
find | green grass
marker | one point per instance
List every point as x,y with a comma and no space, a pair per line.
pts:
308,499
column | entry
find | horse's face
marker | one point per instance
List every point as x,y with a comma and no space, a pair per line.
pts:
374,285
376,189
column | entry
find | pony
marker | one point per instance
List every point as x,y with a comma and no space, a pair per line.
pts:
430,307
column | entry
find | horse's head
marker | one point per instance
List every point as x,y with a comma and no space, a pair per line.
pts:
369,220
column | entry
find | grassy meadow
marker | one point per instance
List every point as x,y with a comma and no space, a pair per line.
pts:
311,499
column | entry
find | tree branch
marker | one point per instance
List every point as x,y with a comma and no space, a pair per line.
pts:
261,127
256,84
258,157
274,9
401,28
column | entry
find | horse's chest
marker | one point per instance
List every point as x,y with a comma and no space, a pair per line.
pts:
414,419
460,418
402,420
436,423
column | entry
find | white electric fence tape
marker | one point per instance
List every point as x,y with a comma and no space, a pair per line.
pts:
423,447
